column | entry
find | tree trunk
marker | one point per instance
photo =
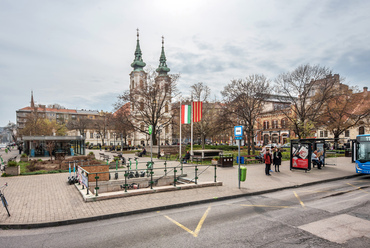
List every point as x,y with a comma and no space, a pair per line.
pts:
203,141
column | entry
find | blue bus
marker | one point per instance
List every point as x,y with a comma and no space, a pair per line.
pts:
361,153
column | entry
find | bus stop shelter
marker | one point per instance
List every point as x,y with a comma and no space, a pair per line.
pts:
301,151
36,146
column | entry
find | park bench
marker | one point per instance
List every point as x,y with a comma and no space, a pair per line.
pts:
101,155
106,157
251,158
12,158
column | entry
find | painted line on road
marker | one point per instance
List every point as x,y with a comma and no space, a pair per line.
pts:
359,188
197,229
296,195
265,206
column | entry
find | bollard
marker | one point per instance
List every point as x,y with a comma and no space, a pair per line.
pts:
196,175
96,186
165,168
215,173
174,177
151,178
126,174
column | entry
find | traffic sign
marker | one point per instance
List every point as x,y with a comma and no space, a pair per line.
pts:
238,137
238,131
150,129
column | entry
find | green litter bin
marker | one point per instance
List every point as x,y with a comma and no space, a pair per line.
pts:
243,173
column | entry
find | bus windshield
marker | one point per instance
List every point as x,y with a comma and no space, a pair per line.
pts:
363,152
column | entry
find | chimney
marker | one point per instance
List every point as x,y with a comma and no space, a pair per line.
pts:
365,89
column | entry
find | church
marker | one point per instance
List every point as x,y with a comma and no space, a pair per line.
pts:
150,101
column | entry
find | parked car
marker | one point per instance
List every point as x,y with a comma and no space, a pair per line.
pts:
286,145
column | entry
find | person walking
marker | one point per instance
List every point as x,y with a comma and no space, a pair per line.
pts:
277,159
268,161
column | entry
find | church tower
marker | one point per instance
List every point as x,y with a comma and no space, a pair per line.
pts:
164,80
138,75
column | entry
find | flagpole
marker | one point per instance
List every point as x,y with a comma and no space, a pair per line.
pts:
191,144
180,131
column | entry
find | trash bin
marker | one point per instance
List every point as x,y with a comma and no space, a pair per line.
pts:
241,159
243,173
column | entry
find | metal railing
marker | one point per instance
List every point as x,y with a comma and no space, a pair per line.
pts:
84,176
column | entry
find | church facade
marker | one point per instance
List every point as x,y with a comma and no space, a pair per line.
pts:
148,108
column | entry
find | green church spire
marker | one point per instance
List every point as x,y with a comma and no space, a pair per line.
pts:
138,63
162,68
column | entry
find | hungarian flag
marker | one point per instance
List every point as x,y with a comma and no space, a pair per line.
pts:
185,114
197,111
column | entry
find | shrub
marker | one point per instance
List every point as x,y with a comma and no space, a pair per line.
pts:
91,153
12,164
33,167
24,155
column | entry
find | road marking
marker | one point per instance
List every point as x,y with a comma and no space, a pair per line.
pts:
359,188
299,199
199,226
266,206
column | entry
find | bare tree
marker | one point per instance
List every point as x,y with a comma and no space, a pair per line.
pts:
244,100
308,88
201,92
50,145
122,124
343,111
102,125
81,124
149,102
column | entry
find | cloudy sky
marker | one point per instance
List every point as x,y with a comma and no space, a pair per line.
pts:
77,53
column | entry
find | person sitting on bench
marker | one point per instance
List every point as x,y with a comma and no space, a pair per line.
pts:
186,157
315,160
143,152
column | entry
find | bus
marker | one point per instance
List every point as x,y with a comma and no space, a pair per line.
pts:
361,154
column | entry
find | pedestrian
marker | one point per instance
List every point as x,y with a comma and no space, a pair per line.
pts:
277,159
268,161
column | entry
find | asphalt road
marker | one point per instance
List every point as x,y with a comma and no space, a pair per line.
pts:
335,214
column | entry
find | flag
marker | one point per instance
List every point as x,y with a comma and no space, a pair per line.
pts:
185,114
197,111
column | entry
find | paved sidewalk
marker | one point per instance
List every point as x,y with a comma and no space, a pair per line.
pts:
48,200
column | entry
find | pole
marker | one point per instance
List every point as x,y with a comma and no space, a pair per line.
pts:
239,162
180,132
151,147
191,144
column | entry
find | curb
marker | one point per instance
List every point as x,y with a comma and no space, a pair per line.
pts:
147,210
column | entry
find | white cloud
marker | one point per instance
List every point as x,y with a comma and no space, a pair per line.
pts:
78,53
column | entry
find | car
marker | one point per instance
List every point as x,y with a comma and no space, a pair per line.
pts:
286,145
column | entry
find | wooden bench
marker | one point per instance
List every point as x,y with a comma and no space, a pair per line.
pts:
251,158
12,159
101,155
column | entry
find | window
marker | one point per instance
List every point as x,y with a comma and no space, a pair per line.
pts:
274,124
321,134
166,108
283,123
361,130
325,133
91,135
266,125
346,133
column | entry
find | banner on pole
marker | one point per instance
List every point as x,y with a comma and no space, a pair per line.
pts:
185,114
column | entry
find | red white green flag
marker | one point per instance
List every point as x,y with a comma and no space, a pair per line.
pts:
185,114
